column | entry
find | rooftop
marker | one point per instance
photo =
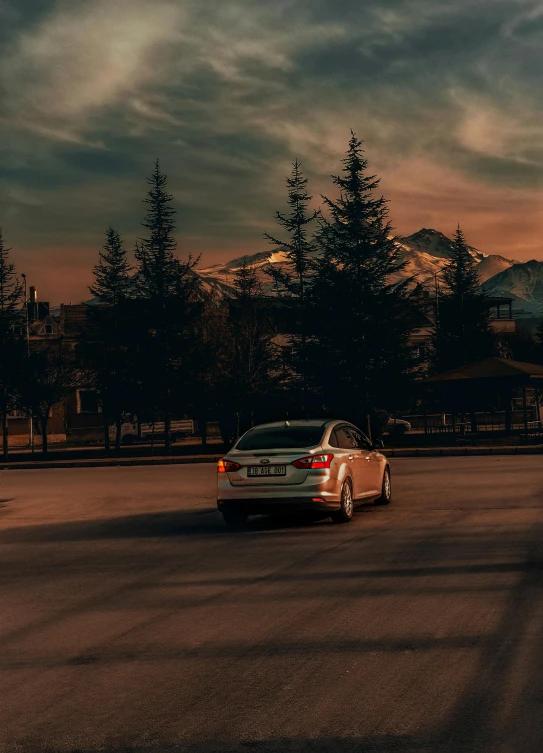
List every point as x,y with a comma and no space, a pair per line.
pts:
490,368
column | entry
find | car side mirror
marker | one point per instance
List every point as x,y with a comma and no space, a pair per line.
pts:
378,444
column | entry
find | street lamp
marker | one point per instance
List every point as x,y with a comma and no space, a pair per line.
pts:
436,284
27,327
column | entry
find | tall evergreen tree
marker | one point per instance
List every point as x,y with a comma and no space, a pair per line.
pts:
112,280
12,348
297,248
359,350
359,238
106,347
292,276
463,332
167,293
248,287
159,269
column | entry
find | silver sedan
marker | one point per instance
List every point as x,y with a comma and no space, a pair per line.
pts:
325,467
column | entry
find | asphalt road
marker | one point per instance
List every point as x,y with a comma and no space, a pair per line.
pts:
130,618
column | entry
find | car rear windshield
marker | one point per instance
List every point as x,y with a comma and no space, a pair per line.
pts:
281,438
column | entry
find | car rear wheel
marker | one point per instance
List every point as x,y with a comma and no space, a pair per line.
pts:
346,511
386,490
234,518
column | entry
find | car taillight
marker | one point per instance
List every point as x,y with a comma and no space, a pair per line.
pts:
227,466
313,461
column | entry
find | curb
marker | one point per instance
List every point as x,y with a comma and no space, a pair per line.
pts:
108,463
404,452
433,452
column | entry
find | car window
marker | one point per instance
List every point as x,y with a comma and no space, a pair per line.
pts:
279,437
345,440
361,441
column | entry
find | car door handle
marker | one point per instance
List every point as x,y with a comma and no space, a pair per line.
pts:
368,458
351,457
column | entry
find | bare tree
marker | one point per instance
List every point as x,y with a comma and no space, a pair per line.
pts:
51,373
11,344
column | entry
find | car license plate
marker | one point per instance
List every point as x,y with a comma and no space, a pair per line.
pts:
267,470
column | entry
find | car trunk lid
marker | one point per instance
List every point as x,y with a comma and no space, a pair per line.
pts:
273,468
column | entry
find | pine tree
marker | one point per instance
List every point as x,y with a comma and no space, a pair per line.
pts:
168,297
11,290
105,350
292,276
297,249
246,283
12,349
460,274
112,273
359,236
463,332
359,352
158,272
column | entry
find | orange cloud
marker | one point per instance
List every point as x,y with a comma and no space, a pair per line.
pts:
497,220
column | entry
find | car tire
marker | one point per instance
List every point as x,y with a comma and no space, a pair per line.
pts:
234,518
386,490
346,511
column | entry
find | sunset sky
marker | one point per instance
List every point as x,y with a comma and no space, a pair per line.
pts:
446,95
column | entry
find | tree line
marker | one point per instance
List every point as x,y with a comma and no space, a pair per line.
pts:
333,337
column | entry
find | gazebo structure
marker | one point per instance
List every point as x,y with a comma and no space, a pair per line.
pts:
473,387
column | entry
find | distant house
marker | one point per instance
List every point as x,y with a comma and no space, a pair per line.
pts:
501,313
502,319
78,417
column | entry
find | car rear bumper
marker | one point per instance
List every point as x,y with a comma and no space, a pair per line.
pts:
263,506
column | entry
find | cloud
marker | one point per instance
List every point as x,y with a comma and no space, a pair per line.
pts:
227,94
526,26
84,59
503,131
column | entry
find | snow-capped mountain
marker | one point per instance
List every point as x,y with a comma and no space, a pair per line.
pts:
434,244
523,282
221,276
428,251
425,253
492,265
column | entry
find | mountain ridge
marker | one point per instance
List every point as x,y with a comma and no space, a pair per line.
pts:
425,252
523,282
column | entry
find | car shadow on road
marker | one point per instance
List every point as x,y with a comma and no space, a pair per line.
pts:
370,744
194,523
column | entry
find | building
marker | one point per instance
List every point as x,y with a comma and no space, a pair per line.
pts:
78,417
502,320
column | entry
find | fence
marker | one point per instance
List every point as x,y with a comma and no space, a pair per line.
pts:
129,431
448,429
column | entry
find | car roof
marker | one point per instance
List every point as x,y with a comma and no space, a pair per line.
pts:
302,422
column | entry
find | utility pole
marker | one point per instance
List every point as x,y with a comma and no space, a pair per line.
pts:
436,283
437,299
27,326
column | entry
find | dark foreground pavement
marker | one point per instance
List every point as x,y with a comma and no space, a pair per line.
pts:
130,618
